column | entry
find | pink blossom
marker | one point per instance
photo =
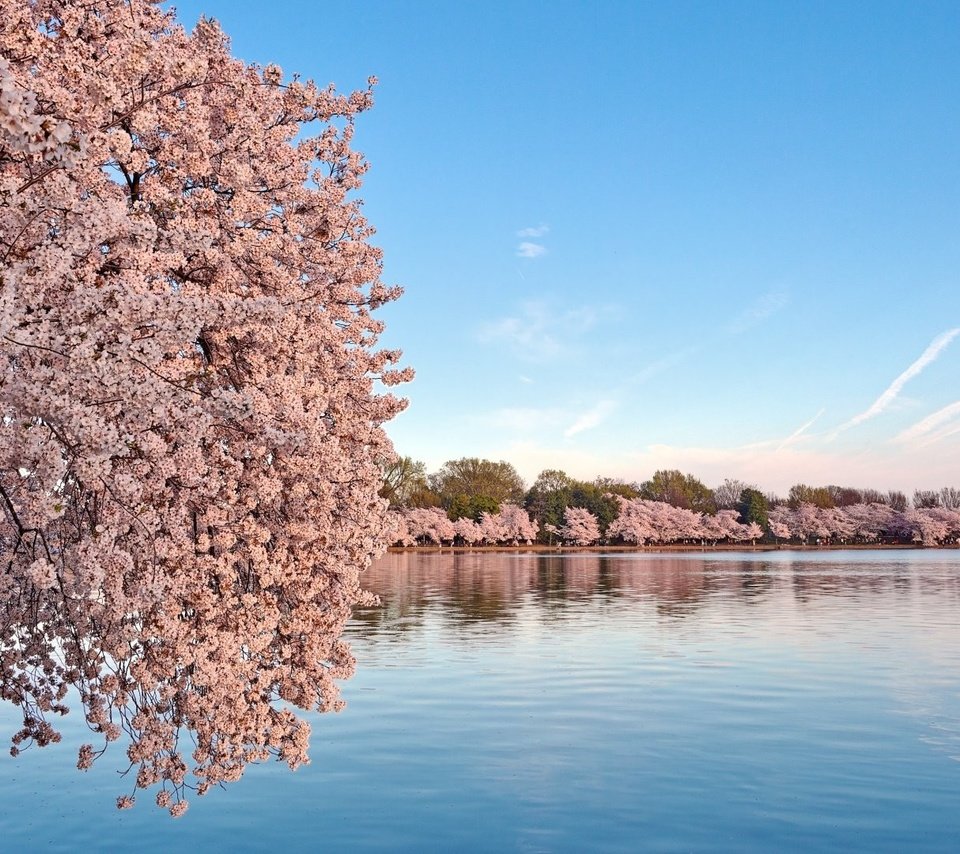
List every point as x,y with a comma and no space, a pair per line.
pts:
85,759
194,398
580,526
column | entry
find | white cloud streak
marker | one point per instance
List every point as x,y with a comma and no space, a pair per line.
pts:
548,420
591,418
932,421
796,434
537,332
530,250
893,390
952,430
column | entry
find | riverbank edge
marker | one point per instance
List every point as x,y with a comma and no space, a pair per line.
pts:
538,548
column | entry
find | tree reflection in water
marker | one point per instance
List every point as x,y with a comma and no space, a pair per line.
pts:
495,587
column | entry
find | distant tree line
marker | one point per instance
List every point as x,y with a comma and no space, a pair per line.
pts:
472,500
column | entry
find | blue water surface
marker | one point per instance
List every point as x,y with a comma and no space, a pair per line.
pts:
590,702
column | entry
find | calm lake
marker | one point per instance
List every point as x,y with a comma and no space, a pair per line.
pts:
776,701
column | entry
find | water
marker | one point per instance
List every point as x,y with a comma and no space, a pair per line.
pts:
512,702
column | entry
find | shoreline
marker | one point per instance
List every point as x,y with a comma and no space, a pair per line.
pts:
537,548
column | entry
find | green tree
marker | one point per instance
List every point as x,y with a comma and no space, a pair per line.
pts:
546,500
680,490
613,486
405,483
818,496
471,506
753,507
476,485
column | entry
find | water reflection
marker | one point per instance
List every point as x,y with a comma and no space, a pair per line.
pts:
601,702
496,587
837,621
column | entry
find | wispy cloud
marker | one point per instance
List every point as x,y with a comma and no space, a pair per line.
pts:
535,231
527,248
548,420
530,250
758,311
940,435
538,332
931,422
796,434
893,390
593,417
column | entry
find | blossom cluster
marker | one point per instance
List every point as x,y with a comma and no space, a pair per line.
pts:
413,525
866,523
640,522
191,401
644,522
579,527
25,130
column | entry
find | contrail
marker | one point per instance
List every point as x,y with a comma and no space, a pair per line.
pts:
885,399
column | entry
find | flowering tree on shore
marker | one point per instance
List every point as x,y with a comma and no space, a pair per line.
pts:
468,531
429,525
491,528
641,522
632,524
579,527
190,435
928,526
516,526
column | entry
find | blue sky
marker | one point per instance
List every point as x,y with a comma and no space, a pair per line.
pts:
719,237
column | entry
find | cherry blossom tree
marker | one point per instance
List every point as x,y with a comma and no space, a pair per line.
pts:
713,529
580,526
468,531
429,524
191,429
632,524
932,525
676,524
492,528
733,529
551,531
949,517
840,523
779,521
641,520
516,524
396,531
867,520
